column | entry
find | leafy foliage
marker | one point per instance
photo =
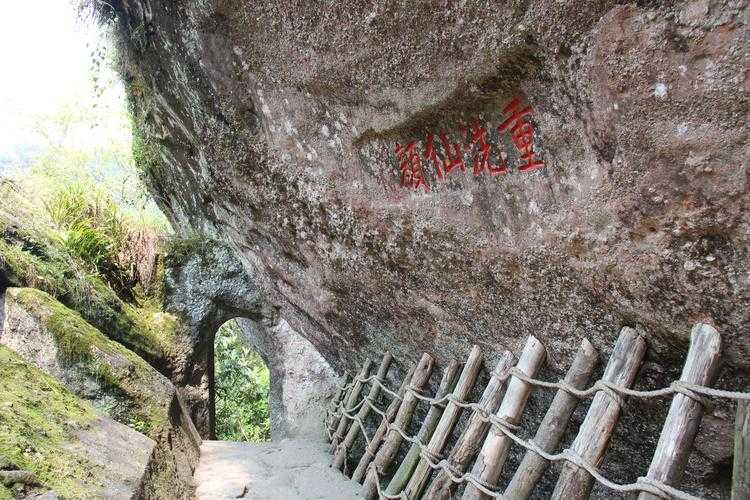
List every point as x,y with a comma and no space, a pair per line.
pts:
92,229
33,255
242,382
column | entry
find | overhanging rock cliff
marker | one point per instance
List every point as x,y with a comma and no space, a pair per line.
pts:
303,135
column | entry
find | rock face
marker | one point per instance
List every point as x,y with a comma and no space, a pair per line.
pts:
275,127
302,381
60,343
207,286
117,382
53,441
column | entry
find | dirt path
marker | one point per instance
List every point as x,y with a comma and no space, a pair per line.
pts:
287,469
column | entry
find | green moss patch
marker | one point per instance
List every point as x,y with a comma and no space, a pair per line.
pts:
5,493
139,391
37,416
59,276
178,249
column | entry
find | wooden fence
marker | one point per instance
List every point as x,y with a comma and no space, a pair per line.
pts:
478,455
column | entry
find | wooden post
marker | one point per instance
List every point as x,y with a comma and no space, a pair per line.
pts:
377,438
685,414
473,435
393,440
741,472
450,416
351,402
494,451
405,470
334,416
553,425
593,436
338,459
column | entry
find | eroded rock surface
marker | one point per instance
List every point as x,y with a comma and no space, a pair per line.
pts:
54,444
273,126
302,381
207,285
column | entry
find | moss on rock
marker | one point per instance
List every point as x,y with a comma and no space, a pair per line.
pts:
5,493
140,396
32,255
37,415
178,249
87,294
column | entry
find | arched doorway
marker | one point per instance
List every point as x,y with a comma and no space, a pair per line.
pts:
241,383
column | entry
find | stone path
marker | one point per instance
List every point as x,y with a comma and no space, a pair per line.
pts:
286,469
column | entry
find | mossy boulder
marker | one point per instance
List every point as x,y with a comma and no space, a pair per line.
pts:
61,441
114,379
32,255
61,343
88,294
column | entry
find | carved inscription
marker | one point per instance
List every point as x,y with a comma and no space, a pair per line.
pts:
446,156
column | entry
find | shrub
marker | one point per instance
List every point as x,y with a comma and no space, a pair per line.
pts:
116,248
91,228
92,245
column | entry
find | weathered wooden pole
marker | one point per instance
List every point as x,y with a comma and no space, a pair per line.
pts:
685,414
334,415
473,435
351,402
741,471
377,438
593,436
448,420
393,439
409,463
553,425
494,451
351,435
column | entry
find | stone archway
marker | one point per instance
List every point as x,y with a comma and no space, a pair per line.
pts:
300,379
208,286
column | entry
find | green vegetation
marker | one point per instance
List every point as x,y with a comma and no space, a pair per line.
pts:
37,416
138,399
93,229
176,250
32,254
145,153
5,493
242,382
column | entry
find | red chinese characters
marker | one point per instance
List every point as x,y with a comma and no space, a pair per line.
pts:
431,155
482,157
410,165
521,133
476,147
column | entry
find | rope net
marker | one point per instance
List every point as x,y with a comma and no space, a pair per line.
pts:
660,489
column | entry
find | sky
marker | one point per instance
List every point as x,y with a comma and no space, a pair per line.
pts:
50,106
45,64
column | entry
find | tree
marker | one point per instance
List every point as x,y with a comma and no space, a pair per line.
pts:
242,383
